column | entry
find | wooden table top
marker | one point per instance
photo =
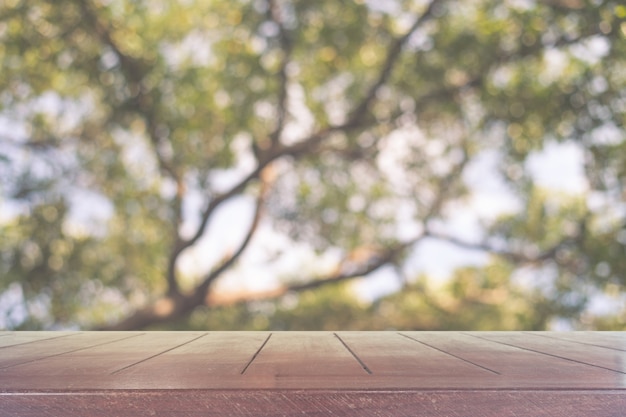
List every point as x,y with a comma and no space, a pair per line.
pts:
315,373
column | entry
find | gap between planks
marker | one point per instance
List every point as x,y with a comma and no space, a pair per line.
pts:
561,339
354,355
243,371
157,354
37,340
69,351
545,353
451,354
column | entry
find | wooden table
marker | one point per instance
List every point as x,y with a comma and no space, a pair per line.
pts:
312,373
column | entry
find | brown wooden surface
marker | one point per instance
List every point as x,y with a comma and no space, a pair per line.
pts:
312,373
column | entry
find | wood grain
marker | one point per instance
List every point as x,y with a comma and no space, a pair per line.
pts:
586,354
312,373
609,340
20,338
519,367
193,403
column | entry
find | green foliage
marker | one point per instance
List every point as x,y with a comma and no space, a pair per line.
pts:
473,299
331,308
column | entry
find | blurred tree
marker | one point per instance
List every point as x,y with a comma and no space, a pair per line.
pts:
472,299
350,126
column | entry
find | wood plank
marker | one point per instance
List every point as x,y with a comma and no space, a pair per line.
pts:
217,360
519,368
305,354
17,338
575,352
610,340
49,347
88,366
250,361
392,354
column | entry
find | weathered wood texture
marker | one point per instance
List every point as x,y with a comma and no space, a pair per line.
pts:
312,373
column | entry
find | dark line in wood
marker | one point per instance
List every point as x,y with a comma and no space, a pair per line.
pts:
547,354
158,354
574,341
69,351
40,340
363,365
451,354
243,371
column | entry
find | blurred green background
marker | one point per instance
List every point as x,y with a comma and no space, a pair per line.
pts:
304,165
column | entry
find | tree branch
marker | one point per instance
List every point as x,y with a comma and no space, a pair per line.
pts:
267,178
373,263
175,306
134,70
390,62
286,44
307,145
445,186
514,257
